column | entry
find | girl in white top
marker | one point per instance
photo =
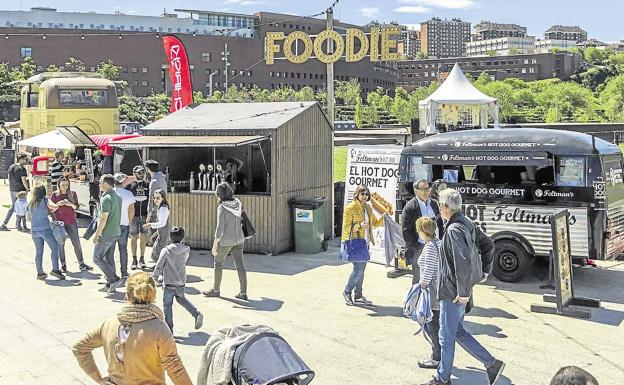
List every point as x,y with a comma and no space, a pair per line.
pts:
161,224
428,261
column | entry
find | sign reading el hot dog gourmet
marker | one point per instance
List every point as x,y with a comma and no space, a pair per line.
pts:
376,167
480,158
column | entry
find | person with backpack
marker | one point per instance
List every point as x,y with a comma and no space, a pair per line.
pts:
38,210
171,266
460,269
229,239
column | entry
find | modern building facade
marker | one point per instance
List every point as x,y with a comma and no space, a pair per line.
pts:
420,73
486,30
501,46
444,38
409,44
565,32
547,45
198,22
144,66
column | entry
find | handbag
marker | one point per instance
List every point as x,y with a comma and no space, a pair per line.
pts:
248,228
58,227
354,250
92,226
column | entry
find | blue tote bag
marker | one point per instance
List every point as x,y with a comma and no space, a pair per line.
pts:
354,250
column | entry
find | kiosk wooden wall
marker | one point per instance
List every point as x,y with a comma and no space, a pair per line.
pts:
301,165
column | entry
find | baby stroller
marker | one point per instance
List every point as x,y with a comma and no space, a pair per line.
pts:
267,359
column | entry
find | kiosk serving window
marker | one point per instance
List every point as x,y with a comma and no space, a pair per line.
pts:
197,164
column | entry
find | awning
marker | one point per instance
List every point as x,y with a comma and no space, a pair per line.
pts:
187,141
104,141
76,136
52,139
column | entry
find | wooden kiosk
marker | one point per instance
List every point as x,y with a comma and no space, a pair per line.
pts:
284,151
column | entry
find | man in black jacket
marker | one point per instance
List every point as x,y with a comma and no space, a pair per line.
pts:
420,205
460,269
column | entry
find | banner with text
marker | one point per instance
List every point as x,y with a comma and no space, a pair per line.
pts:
376,167
179,73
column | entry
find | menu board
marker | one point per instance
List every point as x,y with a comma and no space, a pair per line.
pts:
562,258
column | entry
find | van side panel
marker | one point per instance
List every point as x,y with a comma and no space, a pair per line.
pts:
614,188
533,223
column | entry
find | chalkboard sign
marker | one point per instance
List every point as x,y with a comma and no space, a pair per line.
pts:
6,160
562,258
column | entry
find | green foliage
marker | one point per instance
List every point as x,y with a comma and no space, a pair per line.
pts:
74,64
612,99
348,92
359,113
513,51
53,68
143,110
490,53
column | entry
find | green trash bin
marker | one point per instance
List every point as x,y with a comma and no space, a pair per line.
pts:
309,219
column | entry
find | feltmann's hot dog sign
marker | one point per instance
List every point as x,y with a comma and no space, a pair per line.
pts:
379,45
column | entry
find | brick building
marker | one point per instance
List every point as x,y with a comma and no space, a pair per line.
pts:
486,30
565,32
444,38
420,73
140,55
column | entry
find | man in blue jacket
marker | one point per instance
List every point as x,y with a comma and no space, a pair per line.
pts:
460,269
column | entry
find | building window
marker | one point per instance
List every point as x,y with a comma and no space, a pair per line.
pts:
25,52
144,70
524,70
134,70
249,73
144,83
531,70
206,57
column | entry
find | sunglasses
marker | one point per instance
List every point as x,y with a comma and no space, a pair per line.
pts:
365,194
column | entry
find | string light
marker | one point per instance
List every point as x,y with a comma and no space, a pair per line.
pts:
6,36
82,37
157,35
44,37
120,37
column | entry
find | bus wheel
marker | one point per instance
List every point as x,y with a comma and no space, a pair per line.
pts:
511,261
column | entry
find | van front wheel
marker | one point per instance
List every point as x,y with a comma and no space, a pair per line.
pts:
511,261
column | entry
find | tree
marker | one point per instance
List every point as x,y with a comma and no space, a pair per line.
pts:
348,91
9,92
612,99
420,55
513,51
73,64
359,113
491,53
53,68
306,94
27,68
111,72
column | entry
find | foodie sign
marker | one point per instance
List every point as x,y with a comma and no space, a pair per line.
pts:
380,45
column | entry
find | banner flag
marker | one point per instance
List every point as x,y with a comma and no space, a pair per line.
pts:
179,73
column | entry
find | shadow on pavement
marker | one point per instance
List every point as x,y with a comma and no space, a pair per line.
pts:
84,275
263,304
193,279
63,283
385,311
193,339
472,376
484,329
283,264
479,311
191,291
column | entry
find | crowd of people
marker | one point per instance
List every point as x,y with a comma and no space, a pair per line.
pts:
449,255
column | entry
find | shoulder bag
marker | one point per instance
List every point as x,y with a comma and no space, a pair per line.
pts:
248,228
354,250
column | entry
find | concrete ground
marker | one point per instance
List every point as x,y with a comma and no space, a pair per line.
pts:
299,296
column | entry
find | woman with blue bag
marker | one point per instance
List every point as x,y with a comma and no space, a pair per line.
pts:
357,234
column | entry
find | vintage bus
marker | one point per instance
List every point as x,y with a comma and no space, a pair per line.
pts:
82,99
512,180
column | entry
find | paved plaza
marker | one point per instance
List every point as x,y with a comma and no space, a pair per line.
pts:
299,296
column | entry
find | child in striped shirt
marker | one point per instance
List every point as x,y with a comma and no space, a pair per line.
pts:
428,261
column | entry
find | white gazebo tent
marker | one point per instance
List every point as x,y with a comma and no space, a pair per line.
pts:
443,105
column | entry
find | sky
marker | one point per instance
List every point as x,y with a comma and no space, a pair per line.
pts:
600,18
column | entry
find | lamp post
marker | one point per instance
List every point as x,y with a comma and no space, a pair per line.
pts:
210,83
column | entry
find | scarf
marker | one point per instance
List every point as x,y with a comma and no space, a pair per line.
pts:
137,313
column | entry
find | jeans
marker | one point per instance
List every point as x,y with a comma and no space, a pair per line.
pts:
162,240
39,237
177,292
237,254
431,331
12,209
104,258
123,249
72,234
20,223
356,279
451,330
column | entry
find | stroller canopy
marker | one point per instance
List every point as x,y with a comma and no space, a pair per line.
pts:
267,359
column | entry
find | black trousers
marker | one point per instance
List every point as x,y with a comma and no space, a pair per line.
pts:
415,268
432,330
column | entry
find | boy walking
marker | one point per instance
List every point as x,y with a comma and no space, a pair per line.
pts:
172,266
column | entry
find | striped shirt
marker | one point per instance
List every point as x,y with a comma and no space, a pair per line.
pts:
428,262
55,171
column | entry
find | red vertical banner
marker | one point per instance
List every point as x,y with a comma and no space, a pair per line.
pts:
179,73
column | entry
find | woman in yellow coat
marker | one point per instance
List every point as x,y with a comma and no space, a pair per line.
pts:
358,221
